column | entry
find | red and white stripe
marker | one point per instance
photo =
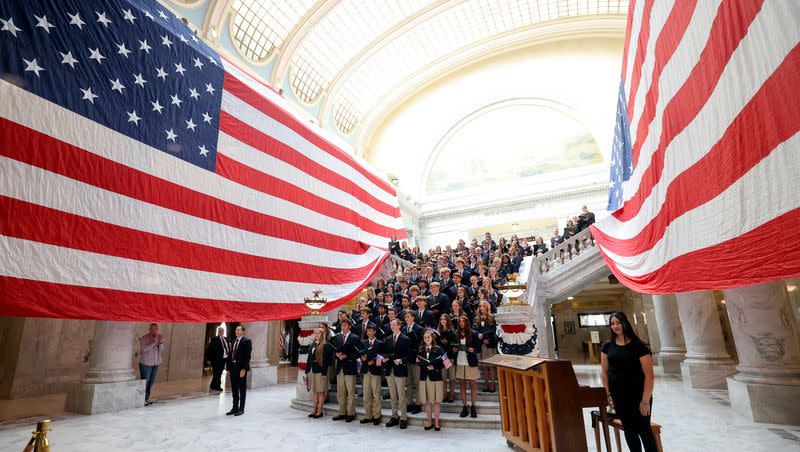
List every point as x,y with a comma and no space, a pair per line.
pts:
96,225
714,197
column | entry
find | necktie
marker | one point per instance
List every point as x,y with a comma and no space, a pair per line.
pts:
224,345
363,331
235,347
394,342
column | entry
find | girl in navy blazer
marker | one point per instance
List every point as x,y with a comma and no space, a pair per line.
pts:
431,386
467,351
487,333
319,359
446,338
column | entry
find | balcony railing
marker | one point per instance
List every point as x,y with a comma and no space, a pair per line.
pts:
564,252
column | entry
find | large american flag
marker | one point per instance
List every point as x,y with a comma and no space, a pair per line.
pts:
142,177
706,163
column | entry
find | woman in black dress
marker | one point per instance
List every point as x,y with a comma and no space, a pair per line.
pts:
627,372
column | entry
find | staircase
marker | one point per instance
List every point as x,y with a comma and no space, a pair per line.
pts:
488,408
559,273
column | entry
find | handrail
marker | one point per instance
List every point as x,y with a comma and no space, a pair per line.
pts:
563,252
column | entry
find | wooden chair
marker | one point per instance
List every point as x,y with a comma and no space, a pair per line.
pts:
616,424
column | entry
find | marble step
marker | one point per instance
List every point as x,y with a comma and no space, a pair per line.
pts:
482,396
484,407
446,420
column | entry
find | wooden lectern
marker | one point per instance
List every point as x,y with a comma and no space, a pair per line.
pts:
541,404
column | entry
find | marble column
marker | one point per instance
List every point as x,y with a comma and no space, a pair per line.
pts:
261,373
109,383
707,363
308,323
670,333
767,386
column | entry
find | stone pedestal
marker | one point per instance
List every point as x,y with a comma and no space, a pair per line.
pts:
767,386
707,363
110,383
261,373
518,334
670,333
308,323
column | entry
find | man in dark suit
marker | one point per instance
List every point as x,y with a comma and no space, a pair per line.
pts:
439,304
381,319
453,291
239,365
396,348
347,353
414,332
461,270
585,219
425,317
217,354
555,239
360,328
371,376
444,280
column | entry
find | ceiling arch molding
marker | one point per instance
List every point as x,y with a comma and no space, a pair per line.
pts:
214,19
599,26
297,36
468,118
385,38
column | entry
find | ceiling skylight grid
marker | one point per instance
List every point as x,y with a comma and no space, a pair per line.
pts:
451,30
260,26
340,36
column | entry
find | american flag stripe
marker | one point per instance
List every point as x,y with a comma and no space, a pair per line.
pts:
114,209
720,151
635,12
219,205
640,49
313,146
677,70
696,125
162,181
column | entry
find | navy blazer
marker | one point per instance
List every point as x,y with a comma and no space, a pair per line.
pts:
350,348
316,367
434,358
399,351
370,353
472,357
415,336
361,331
426,319
439,304
489,332
243,352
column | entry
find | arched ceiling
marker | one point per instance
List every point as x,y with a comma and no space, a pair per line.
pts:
352,59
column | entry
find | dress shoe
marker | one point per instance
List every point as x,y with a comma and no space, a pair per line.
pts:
365,421
239,413
403,425
392,422
232,411
349,418
317,416
464,411
376,421
436,429
417,409
473,412
311,415
339,417
428,427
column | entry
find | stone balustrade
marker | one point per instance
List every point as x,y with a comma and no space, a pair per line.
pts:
564,252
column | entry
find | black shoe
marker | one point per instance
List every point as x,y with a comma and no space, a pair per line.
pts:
387,397
365,421
232,411
349,418
409,407
436,429
317,416
376,421
464,411
428,427
473,412
392,422
417,409
339,417
311,415
239,413
403,425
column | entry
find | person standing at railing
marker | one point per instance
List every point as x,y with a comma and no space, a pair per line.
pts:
555,239
627,374
585,219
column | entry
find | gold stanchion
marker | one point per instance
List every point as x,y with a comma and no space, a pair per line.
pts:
39,442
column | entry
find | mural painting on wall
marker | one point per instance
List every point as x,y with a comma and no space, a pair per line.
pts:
509,143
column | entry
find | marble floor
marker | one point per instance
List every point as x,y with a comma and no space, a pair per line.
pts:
195,421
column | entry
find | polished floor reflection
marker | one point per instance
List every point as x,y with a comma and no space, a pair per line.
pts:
195,421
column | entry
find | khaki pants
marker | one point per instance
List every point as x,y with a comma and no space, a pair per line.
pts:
412,384
372,395
397,392
346,393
